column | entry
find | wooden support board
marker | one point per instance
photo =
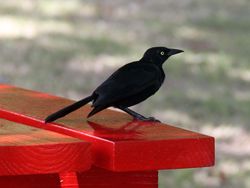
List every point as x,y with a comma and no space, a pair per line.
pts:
93,178
118,142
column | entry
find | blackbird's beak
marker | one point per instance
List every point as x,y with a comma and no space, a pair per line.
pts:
174,51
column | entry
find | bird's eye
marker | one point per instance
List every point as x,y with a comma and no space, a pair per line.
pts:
162,53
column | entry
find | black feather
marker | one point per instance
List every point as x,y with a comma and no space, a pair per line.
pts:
68,109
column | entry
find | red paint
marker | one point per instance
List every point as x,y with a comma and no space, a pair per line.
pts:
118,143
30,181
94,178
28,150
69,179
100,178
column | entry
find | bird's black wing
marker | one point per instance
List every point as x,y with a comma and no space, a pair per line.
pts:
127,81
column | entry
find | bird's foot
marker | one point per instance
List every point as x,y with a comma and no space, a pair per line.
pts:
142,118
153,119
138,116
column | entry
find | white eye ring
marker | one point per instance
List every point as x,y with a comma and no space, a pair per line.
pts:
162,53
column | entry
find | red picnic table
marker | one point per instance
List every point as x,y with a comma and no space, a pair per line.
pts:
108,150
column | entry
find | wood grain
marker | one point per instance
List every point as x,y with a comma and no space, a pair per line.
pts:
29,150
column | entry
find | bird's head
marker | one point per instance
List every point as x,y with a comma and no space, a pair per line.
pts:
158,55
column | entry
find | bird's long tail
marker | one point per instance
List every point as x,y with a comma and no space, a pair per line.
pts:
68,109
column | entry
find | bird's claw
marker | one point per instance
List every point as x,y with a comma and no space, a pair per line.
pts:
153,119
149,119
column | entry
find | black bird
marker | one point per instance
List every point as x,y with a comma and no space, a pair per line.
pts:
128,86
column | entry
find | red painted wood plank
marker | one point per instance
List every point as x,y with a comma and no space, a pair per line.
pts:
69,180
101,178
93,178
29,150
30,181
119,143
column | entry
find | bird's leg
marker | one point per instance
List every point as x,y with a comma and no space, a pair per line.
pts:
137,115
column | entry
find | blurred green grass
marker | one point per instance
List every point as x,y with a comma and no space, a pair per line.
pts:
68,48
